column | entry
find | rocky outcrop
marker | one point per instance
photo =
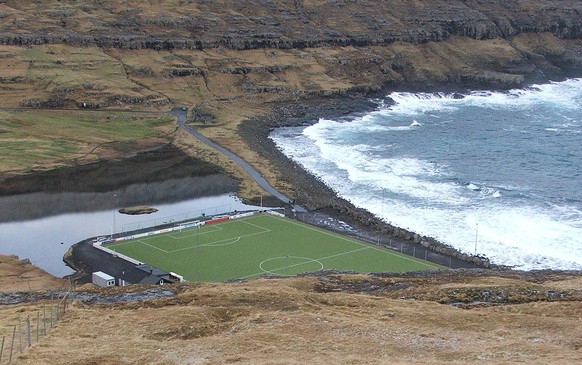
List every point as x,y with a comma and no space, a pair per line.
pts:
141,209
181,72
530,289
269,24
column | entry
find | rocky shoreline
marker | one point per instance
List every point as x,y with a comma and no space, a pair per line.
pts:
315,195
326,207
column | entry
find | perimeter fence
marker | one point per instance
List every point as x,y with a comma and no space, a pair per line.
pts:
31,328
407,247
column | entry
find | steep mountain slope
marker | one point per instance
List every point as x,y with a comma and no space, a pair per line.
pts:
175,24
103,53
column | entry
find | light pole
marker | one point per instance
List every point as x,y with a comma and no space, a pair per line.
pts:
382,204
381,214
476,236
114,205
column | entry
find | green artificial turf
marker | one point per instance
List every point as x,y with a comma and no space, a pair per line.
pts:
258,245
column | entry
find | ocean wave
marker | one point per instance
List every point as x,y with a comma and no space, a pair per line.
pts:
565,94
440,181
407,177
485,191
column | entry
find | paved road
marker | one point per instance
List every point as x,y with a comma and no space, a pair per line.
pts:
182,116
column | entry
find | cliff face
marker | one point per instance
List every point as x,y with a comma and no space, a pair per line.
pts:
287,24
312,47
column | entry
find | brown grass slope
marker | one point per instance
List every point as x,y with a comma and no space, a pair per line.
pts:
339,319
21,275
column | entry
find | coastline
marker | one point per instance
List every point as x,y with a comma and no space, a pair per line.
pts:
308,191
316,196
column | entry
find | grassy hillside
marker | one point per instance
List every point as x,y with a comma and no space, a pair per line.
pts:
442,318
41,139
228,86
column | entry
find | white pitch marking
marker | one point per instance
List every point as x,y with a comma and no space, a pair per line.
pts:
210,244
318,260
360,243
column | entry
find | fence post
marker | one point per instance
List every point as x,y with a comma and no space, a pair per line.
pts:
52,299
2,348
44,319
37,325
28,330
20,332
413,250
12,344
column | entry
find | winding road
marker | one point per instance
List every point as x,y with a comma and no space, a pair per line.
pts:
255,175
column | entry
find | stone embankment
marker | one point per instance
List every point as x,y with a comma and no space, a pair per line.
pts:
133,294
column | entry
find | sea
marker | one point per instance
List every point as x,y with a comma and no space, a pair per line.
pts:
492,173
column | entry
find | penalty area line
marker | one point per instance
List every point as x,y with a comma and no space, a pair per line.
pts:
152,246
231,240
384,250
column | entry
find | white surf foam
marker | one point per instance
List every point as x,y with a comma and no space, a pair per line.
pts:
566,94
404,176
525,238
473,187
414,194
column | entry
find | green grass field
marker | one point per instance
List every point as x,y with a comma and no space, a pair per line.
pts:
261,244
43,138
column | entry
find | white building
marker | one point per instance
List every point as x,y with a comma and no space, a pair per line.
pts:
102,279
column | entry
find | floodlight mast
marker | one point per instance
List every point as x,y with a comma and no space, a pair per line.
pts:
114,206
476,236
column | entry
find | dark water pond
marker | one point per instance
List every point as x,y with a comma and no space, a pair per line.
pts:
43,226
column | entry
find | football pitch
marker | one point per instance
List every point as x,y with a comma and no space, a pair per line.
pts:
258,245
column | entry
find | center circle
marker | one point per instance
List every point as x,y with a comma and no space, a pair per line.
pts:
290,265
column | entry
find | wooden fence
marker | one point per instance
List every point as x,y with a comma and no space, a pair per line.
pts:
31,329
